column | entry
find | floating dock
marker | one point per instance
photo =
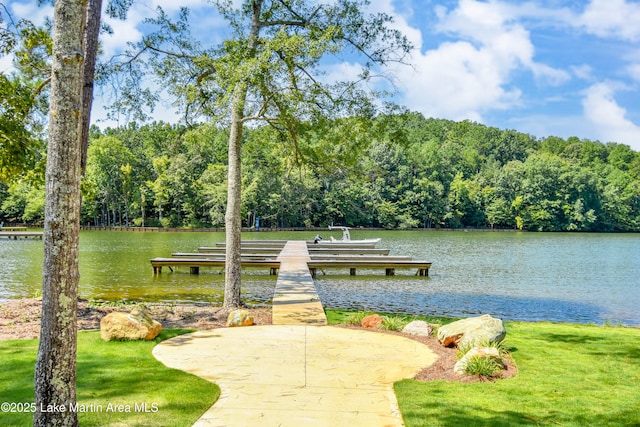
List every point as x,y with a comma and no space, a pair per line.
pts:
15,235
266,253
11,228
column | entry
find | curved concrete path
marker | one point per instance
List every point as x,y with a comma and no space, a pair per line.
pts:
288,375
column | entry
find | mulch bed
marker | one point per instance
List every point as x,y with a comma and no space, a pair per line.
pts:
20,319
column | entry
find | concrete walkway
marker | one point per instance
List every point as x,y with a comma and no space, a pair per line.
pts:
296,376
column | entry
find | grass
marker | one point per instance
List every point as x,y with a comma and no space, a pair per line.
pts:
116,373
568,375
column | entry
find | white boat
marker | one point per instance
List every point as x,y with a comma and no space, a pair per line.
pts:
346,239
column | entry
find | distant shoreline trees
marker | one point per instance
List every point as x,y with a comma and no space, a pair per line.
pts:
420,173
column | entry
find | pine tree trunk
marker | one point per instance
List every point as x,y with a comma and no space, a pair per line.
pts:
92,31
233,219
55,375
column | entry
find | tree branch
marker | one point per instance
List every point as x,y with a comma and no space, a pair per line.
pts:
41,86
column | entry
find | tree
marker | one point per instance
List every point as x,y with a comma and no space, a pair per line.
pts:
270,69
109,174
55,375
23,95
75,32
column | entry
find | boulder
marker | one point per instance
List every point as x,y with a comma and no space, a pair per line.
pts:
418,328
472,332
372,321
137,325
477,352
239,318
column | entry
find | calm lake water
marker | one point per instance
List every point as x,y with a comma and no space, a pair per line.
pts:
581,278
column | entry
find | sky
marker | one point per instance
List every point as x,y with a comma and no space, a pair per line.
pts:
544,67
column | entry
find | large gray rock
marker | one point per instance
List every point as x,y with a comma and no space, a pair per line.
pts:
418,328
472,332
137,325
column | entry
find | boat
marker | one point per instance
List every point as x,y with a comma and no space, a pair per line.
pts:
346,239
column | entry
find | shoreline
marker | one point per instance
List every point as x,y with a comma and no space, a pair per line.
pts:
276,230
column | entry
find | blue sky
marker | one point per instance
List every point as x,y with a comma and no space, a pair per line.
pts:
544,67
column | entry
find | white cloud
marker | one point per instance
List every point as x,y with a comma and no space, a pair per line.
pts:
583,72
612,18
456,81
634,71
463,79
32,12
5,64
123,32
608,118
414,35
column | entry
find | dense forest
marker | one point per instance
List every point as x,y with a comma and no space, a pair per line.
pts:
403,172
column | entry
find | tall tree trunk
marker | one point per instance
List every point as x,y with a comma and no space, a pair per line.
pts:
233,219
92,31
55,375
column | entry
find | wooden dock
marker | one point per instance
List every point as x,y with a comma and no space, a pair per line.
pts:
390,266
15,235
265,253
194,264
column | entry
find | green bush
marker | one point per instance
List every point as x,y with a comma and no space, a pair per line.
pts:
356,318
485,367
393,323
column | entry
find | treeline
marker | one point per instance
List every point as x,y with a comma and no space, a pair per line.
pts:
404,172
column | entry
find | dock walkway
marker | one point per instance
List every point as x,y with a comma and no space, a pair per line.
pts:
295,299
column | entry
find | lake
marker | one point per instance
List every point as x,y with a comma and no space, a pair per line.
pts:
568,277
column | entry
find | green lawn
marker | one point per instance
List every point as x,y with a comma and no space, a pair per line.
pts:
568,375
111,373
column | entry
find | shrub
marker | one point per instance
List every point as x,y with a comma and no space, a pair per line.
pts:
393,323
486,367
356,318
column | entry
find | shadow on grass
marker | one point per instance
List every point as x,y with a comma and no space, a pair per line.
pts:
448,413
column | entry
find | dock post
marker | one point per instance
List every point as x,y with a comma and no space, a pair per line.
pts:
424,272
194,270
157,269
390,271
352,271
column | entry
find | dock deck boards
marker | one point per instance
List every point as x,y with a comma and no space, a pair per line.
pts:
422,267
295,299
15,235
260,253
195,263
